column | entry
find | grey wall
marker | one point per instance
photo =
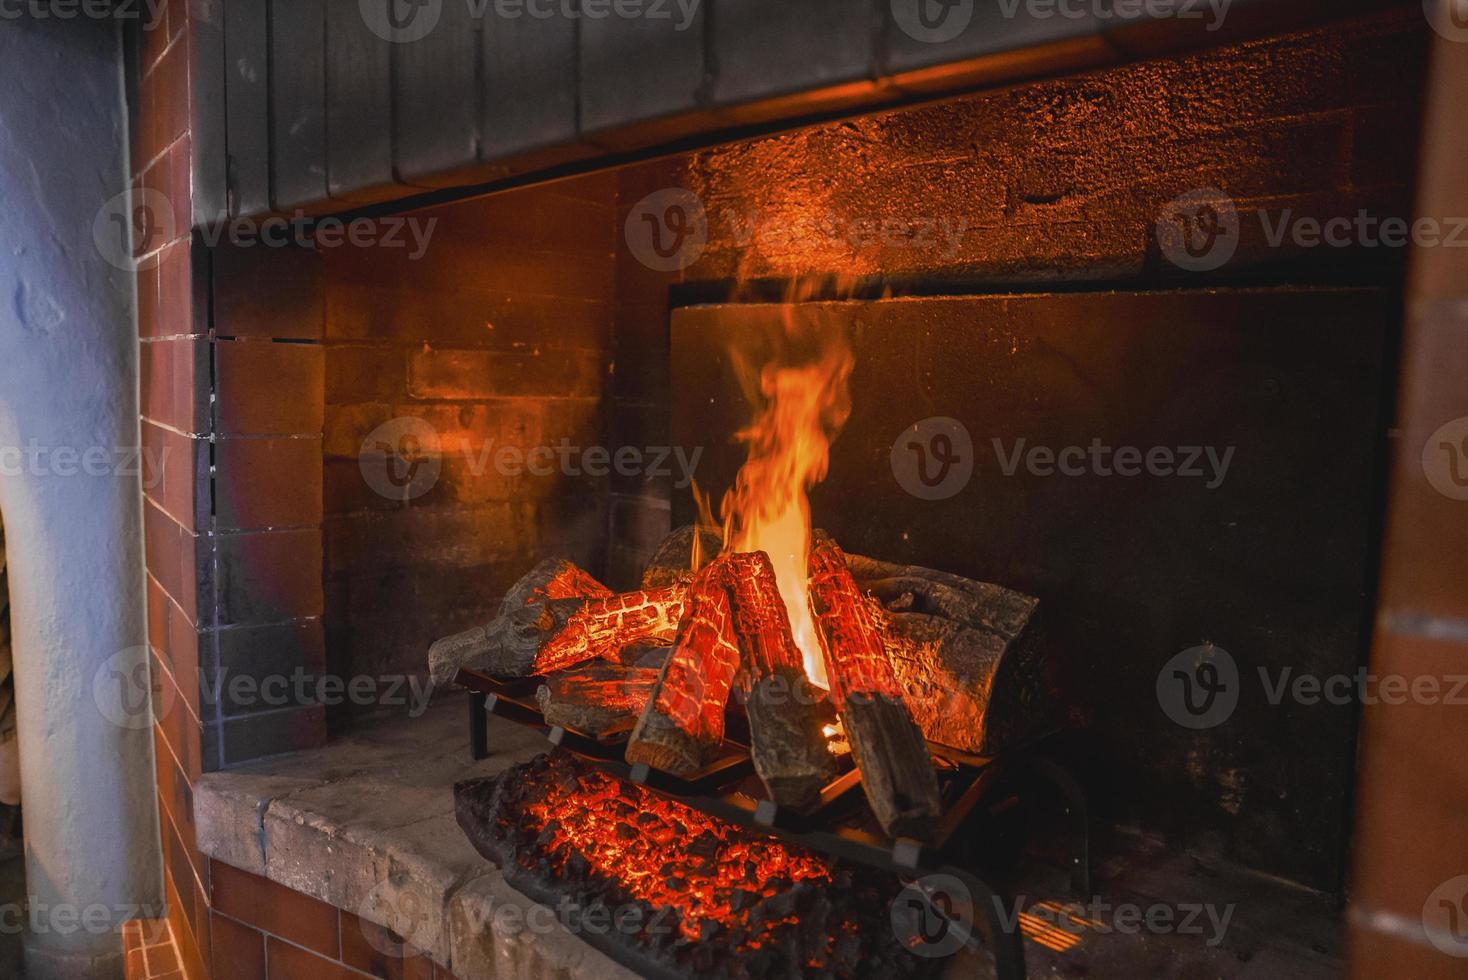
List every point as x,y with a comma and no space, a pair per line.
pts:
68,382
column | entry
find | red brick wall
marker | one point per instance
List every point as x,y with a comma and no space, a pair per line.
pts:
639,399
498,336
232,515
174,356
264,930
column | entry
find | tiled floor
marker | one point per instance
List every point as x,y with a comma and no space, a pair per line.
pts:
148,946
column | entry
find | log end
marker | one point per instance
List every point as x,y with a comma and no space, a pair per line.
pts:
447,655
788,747
897,773
666,747
672,562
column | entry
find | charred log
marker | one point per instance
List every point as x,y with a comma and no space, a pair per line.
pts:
924,591
596,698
674,559
703,898
972,689
896,770
785,719
967,655
682,725
535,609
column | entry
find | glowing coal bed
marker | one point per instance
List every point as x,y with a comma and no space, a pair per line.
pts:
673,892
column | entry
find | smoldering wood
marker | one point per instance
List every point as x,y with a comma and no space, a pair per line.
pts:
786,717
535,609
897,773
969,656
596,698
764,913
682,726
603,627
673,560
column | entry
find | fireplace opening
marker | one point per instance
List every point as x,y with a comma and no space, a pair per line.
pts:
926,503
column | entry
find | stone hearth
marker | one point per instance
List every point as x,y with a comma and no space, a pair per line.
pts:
367,825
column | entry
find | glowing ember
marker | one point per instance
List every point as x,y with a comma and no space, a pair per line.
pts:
706,898
570,583
701,668
764,638
804,402
634,842
613,622
853,641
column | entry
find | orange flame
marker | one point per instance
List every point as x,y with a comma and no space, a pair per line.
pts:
802,402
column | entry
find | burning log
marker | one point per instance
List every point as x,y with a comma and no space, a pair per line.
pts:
967,655
896,770
674,559
558,616
786,742
604,626
682,725
596,698
535,609
736,620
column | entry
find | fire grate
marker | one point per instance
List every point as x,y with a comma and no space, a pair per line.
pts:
727,789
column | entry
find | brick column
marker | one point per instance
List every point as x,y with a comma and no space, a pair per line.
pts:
263,646
231,402
1410,912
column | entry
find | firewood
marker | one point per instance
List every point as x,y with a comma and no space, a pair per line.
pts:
682,726
596,698
896,770
787,744
968,655
535,609
673,561
602,627
925,591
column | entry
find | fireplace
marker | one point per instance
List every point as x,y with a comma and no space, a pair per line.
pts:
924,501
1131,437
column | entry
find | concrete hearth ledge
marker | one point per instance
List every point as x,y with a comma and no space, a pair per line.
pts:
367,825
